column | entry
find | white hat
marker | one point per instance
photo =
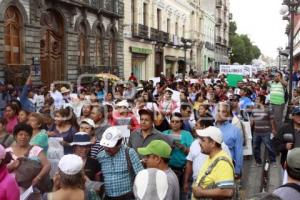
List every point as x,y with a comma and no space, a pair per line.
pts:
123,103
110,137
64,90
150,184
89,122
70,164
212,132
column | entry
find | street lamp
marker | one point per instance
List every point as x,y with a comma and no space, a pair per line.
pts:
186,44
290,7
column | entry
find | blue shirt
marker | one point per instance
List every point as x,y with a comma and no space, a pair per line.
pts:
117,179
245,102
232,137
25,102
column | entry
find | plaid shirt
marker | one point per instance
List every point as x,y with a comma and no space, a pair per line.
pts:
117,179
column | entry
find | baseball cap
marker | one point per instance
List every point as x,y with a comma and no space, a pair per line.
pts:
110,137
293,160
296,110
123,103
212,132
150,184
81,139
156,147
70,164
89,122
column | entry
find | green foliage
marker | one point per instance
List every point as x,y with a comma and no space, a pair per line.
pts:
243,51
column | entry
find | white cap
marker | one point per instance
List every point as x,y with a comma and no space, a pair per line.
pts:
89,122
123,103
70,164
150,184
110,137
212,132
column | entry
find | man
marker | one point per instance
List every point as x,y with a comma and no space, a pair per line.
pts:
277,97
216,177
288,136
291,190
143,136
245,101
156,155
232,136
118,176
188,122
98,116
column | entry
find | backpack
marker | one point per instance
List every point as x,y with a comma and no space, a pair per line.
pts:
292,185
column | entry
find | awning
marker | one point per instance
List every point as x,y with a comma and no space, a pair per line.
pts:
171,58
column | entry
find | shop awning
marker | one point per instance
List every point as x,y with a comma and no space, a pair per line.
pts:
171,58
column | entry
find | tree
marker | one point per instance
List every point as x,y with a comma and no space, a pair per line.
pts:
243,50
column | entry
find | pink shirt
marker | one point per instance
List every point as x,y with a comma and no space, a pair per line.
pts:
11,123
9,189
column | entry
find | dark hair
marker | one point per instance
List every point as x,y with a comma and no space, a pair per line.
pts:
22,127
262,98
8,157
292,173
166,160
179,115
184,106
206,121
3,121
14,107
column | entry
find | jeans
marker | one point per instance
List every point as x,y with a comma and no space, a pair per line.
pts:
257,140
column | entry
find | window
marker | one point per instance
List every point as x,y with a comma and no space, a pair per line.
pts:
168,25
12,36
183,31
158,19
82,44
176,28
133,13
99,47
112,50
145,14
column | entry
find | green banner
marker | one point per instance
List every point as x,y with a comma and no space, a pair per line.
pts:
140,50
233,79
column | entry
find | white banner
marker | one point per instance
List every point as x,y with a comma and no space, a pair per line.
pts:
245,70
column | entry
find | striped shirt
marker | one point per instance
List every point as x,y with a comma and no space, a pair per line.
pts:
277,93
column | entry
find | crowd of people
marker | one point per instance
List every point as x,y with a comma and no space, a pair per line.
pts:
171,139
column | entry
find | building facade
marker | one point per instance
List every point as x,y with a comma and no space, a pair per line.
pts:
63,38
155,37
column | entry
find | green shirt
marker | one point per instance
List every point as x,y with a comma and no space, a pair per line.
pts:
277,93
41,140
178,158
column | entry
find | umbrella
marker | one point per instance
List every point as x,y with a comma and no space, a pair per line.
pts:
108,76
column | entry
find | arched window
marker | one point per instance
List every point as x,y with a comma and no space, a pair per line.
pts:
113,49
82,44
99,46
12,35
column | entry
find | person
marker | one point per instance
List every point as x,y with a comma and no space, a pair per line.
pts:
39,135
151,184
22,134
5,139
27,95
132,77
216,176
232,136
291,190
69,182
188,121
11,116
263,124
288,136
22,116
81,147
9,189
118,176
277,97
143,136
99,118
157,155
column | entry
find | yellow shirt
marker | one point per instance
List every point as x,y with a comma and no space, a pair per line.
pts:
222,174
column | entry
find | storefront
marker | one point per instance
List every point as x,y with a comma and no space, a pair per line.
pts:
170,65
138,60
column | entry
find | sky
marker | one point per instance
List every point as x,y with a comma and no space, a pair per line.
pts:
262,22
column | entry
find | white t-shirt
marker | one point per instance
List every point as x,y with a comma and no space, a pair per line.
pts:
199,158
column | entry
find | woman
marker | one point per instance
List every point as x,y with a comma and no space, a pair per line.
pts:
11,116
22,134
81,147
9,189
23,116
182,141
5,139
69,182
39,135
109,98
63,128
86,111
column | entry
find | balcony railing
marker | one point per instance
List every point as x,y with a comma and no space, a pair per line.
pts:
219,40
154,34
164,36
209,46
225,42
140,31
108,5
218,22
219,4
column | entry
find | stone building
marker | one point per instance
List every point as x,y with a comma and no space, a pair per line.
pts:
62,38
155,37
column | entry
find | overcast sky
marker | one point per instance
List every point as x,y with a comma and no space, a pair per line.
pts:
261,21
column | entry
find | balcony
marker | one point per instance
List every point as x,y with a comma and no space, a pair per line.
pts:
219,4
225,42
225,8
154,34
163,37
209,46
110,6
230,16
218,22
225,25
140,31
218,40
